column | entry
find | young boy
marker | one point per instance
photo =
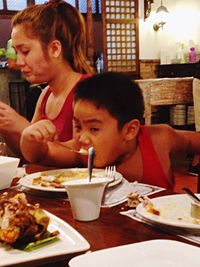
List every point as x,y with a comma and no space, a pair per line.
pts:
108,111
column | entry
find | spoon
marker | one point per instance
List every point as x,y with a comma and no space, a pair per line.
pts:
80,151
191,195
91,154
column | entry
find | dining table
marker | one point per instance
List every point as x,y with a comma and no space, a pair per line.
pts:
111,229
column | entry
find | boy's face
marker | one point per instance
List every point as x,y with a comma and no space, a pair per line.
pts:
97,128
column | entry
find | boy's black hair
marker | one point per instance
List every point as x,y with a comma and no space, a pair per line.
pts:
115,92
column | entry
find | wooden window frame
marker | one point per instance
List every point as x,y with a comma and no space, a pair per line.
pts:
123,61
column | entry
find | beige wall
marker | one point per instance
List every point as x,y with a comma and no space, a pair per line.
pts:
183,26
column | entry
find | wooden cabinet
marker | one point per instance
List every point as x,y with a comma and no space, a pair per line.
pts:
176,70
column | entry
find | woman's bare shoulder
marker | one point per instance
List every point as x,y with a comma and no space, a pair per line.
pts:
36,116
44,91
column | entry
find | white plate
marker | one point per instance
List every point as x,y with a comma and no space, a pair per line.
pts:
156,253
174,211
70,242
27,180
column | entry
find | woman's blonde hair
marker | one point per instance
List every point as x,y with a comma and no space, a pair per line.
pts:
59,20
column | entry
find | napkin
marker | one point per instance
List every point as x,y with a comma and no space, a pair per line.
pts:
195,238
118,194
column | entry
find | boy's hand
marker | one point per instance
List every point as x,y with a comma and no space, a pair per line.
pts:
41,131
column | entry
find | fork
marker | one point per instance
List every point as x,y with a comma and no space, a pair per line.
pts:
110,171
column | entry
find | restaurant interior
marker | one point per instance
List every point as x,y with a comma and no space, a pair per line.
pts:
157,42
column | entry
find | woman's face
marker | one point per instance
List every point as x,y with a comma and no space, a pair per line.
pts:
31,59
97,128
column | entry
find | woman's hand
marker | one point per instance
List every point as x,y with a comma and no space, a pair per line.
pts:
35,140
10,120
41,131
39,144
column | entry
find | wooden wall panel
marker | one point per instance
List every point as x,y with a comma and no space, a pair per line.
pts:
120,36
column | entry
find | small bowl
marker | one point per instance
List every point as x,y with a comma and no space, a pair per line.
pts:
8,169
85,197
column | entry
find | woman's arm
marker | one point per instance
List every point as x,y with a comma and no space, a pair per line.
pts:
11,126
39,145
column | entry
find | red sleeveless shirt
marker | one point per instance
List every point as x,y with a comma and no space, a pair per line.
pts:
63,121
152,170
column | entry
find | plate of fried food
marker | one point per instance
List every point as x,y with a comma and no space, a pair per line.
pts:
54,180
30,234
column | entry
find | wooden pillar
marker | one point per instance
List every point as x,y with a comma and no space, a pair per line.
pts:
90,34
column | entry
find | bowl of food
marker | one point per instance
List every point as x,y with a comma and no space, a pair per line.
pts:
8,169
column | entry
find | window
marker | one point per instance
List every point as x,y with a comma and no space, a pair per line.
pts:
16,5
72,2
39,1
120,20
96,6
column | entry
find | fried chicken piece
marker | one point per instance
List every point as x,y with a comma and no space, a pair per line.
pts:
20,221
9,235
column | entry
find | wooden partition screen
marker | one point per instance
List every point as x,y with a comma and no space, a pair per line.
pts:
120,36
90,33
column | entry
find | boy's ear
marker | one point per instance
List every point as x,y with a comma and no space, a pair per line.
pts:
131,129
55,48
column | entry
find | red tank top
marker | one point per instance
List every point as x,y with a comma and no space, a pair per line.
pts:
63,121
152,169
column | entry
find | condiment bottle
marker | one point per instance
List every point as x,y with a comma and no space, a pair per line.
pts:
192,55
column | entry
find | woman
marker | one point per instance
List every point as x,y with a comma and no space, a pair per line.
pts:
49,40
